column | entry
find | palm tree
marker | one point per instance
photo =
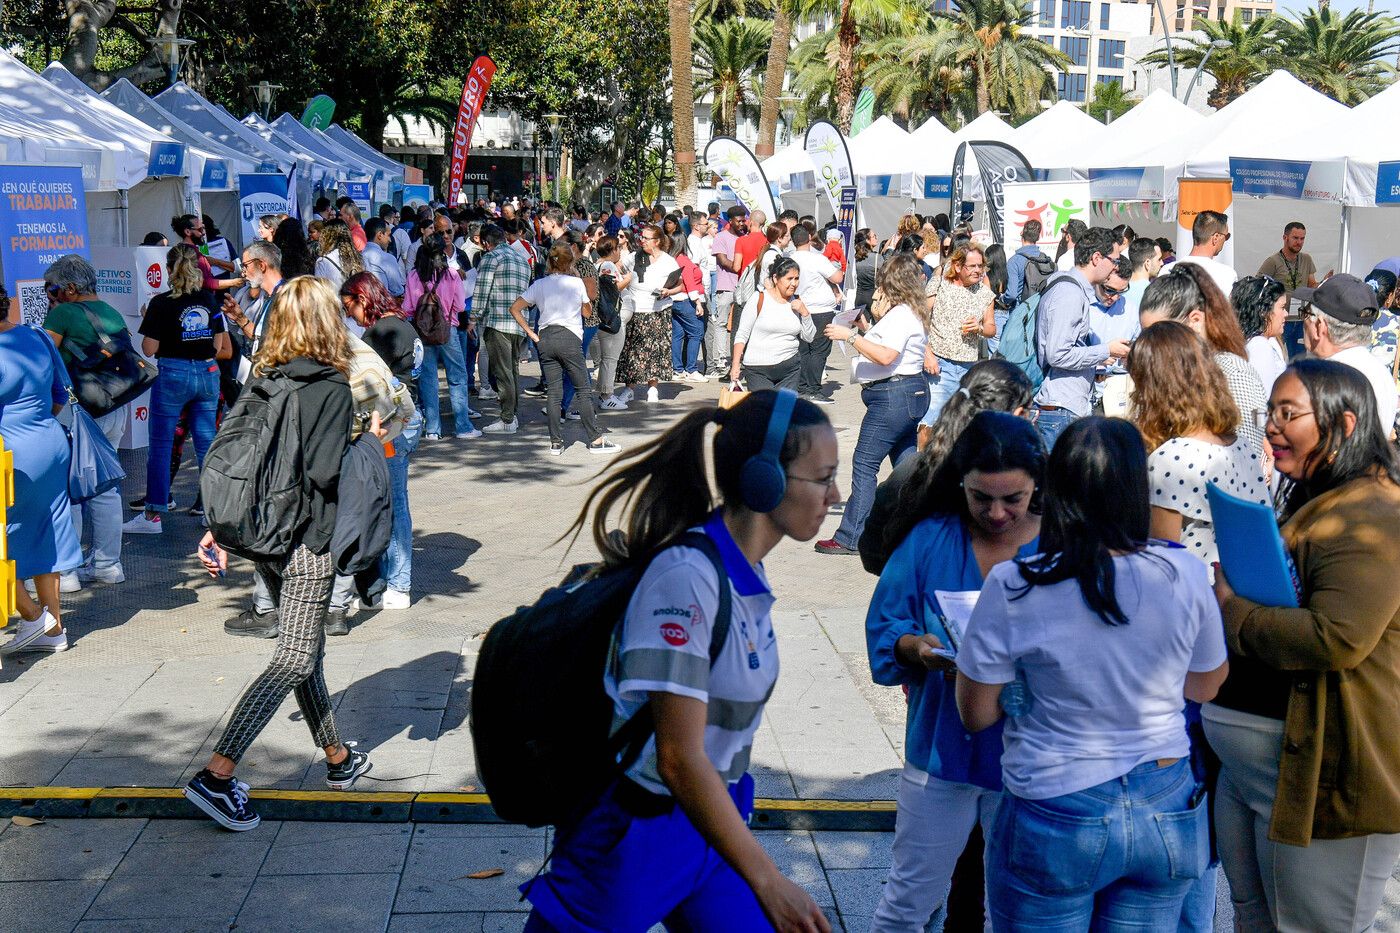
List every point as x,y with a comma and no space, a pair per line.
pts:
1343,56
850,17
727,56
682,99
906,82
1252,53
1011,68
779,47
1110,101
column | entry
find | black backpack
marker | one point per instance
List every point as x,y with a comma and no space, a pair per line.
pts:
1039,269
609,314
252,481
429,319
541,718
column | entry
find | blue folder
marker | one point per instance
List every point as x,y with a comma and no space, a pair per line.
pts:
1251,550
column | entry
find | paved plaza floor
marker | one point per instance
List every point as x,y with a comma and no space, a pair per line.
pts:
141,698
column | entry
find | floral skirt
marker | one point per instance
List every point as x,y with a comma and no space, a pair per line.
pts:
646,355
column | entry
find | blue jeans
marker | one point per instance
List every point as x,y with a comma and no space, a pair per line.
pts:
889,429
470,347
687,333
180,382
1051,424
1293,339
397,565
943,387
1119,855
569,391
450,356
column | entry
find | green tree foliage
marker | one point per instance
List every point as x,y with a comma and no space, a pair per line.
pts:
1343,55
1110,102
1254,50
728,56
1010,67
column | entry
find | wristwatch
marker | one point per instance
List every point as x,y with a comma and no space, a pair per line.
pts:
852,340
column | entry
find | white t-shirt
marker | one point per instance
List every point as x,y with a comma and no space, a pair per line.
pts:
1221,274
560,300
1266,356
1382,383
814,288
663,646
1103,698
774,334
700,253
1066,260
658,270
899,329
1177,474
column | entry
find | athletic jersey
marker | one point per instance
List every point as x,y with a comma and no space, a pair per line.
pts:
663,646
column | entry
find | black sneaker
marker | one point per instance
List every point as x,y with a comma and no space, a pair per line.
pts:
337,622
224,801
139,505
253,624
343,775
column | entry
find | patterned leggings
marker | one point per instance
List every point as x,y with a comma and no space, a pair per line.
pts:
302,590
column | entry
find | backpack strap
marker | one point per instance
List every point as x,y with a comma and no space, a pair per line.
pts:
104,340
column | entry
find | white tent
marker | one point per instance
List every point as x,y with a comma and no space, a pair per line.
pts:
781,166
1059,137
185,103
130,100
933,132
1365,135
1129,139
357,145
323,172
328,149
882,148
1254,123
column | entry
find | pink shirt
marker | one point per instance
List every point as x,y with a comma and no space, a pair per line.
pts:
450,291
725,281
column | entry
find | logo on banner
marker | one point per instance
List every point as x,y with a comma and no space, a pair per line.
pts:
154,274
474,91
1051,203
740,171
831,159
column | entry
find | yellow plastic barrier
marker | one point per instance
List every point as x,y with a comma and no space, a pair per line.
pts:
7,499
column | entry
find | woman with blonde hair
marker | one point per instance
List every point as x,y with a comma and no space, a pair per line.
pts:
961,313
184,330
339,259
305,342
888,363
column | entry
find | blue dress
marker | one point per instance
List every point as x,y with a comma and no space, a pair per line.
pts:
32,381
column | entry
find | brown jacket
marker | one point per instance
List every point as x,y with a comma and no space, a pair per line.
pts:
1340,771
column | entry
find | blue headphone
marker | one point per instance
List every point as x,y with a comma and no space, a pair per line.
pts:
762,481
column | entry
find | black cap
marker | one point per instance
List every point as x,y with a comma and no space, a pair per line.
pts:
1344,297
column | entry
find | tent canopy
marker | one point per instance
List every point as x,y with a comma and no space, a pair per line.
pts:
355,144
1060,137
933,132
185,103
314,166
130,100
790,161
882,148
1254,123
1159,117
328,149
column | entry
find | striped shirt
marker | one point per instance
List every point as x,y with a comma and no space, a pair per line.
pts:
501,278
663,646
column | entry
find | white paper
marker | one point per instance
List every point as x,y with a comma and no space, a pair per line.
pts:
220,249
957,610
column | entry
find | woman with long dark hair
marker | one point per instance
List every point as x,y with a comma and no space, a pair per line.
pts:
867,260
290,238
432,272
995,279
669,841
1090,650
1261,305
981,508
1307,809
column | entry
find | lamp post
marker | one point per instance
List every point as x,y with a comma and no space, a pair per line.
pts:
170,49
1167,38
1217,44
264,92
555,141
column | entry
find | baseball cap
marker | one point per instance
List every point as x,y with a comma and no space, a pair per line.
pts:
1344,297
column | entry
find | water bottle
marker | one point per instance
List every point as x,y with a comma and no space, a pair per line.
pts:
1016,698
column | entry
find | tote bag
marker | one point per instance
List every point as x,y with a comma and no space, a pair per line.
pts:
94,466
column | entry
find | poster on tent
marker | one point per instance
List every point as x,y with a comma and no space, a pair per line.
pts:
417,195
1204,194
1140,183
260,194
359,192
127,278
736,165
1053,203
1284,178
43,215
831,160
1388,183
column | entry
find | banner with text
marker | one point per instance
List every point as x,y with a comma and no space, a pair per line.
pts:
1388,183
999,164
1142,183
1284,178
127,277
215,176
258,195
938,186
831,160
43,215
359,192
1053,203
167,158
417,195
473,96
846,220
1204,194
736,165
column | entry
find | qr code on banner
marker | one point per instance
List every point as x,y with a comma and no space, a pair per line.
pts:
33,301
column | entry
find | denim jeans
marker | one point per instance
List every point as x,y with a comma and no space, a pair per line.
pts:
397,565
450,356
943,387
1051,424
471,346
1118,855
104,512
687,333
180,383
889,429
569,391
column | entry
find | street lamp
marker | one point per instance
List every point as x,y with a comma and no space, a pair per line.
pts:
555,141
1167,38
170,49
264,92
1217,44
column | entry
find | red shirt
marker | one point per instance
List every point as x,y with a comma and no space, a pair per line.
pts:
749,247
207,270
357,236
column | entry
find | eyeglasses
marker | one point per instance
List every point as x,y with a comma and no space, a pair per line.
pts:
1281,417
54,290
827,483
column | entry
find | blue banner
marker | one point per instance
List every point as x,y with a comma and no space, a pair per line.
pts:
43,215
1269,178
846,218
1137,183
878,186
166,159
215,177
417,195
359,192
938,186
258,195
1388,183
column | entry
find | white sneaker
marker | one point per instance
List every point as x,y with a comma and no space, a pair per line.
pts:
697,376
603,446
468,435
626,394
487,393
502,427
573,416
653,396
30,631
52,644
613,403
678,375
69,582
394,599
473,413
113,574
141,525
556,449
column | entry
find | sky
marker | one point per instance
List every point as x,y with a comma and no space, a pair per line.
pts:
1388,6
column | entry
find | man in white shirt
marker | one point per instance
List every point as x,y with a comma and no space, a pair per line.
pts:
1071,234
1210,231
702,237
816,289
1338,327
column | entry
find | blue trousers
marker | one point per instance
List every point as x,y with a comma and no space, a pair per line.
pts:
889,429
687,333
1051,424
448,355
942,387
180,382
398,559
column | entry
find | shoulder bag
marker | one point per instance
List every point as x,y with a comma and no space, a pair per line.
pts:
94,466
112,374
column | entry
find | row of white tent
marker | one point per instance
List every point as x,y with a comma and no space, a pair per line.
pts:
1279,118
55,118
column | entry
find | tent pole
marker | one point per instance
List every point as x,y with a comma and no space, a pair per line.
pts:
1344,246
124,220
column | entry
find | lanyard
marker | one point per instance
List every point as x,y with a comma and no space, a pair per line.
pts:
1291,270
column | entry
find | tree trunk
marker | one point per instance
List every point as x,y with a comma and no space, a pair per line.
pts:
773,80
86,20
848,38
682,99
984,93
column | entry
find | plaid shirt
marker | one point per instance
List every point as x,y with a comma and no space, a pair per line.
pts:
501,278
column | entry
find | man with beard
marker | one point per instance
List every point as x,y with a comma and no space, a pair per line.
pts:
190,229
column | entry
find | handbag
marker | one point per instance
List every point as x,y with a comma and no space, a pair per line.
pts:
729,396
94,466
112,374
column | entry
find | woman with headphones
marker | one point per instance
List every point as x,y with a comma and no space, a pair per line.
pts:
670,841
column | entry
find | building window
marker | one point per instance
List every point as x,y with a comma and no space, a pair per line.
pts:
1077,48
1246,16
1072,87
1074,14
1103,16
1111,53
1047,12
1111,79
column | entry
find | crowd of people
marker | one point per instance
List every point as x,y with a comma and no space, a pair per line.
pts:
1093,711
